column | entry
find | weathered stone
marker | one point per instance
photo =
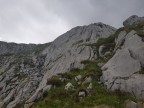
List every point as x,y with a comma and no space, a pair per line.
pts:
78,78
82,94
121,71
107,53
120,40
87,80
36,96
130,104
8,99
132,20
100,64
69,86
90,86
47,88
18,102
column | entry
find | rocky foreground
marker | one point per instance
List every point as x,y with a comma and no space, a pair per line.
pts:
117,57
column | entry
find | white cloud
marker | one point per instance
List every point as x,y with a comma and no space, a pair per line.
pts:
0,38
30,23
40,21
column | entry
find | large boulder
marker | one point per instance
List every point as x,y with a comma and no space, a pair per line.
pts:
69,86
78,78
121,72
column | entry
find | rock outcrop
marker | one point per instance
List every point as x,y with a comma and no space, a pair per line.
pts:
27,72
122,71
132,20
14,48
68,50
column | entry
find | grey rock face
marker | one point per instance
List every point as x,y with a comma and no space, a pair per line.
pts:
14,48
28,74
121,71
20,76
90,86
133,19
78,78
82,94
68,50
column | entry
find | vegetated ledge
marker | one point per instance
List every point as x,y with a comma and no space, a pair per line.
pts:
138,27
35,50
59,97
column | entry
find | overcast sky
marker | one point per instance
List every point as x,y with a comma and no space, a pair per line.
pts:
40,21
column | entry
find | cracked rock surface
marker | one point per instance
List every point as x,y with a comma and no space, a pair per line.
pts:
121,72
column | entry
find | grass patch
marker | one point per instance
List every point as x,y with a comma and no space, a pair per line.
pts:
141,71
108,43
138,27
7,54
60,98
54,81
29,62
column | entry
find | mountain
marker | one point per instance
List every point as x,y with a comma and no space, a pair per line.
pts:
26,71
14,48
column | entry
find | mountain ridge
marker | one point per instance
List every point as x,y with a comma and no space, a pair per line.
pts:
24,76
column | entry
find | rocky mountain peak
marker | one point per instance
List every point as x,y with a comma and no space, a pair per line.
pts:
23,76
113,57
132,20
86,33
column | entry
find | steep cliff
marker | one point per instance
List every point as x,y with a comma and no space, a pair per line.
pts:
124,71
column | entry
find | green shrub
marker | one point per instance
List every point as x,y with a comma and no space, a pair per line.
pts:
138,27
74,70
59,93
7,54
40,47
54,81
108,42
67,75
141,71
29,62
59,97
85,62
